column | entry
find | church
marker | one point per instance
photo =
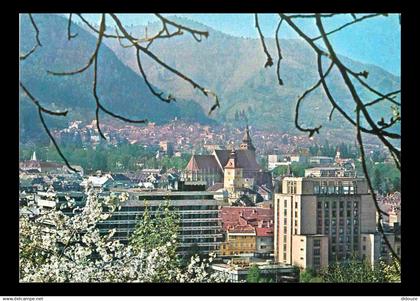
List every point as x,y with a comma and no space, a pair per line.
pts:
235,169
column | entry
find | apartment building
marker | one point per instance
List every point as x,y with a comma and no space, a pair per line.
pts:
322,218
198,210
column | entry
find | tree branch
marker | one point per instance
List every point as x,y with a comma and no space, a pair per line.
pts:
311,131
41,110
36,30
347,24
269,61
69,35
279,52
343,71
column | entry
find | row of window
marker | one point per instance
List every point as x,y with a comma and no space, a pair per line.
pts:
341,204
178,208
172,197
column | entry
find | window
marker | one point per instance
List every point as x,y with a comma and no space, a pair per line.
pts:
364,248
296,204
319,205
285,203
317,243
317,252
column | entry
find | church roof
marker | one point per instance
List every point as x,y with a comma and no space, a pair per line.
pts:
244,158
202,162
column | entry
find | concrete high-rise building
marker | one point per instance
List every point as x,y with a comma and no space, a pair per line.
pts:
320,219
200,226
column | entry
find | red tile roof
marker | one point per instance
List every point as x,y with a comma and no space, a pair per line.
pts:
265,231
257,218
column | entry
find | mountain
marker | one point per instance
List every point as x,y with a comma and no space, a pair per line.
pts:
233,67
120,89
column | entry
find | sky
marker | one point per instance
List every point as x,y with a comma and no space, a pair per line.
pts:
374,41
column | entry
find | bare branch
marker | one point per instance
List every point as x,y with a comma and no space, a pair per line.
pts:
92,57
318,50
120,40
343,71
36,30
69,35
95,94
361,108
314,130
37,103
91,27
370,88
304,16
321,53
269,61
25,56
348,24
331,113
388,96
41,109
385,125
146,51
38,42
197,34
158,95
372,192
279,52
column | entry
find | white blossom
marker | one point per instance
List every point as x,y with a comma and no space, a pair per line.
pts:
55,247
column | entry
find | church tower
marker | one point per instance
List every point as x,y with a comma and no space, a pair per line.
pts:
232,174
337,156
33,158
246,140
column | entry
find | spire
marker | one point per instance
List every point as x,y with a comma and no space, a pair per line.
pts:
232,159
33,158
246,140
289,171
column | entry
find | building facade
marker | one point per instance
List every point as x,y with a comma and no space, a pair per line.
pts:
198,210
318,220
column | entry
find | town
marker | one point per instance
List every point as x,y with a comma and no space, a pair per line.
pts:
238,196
